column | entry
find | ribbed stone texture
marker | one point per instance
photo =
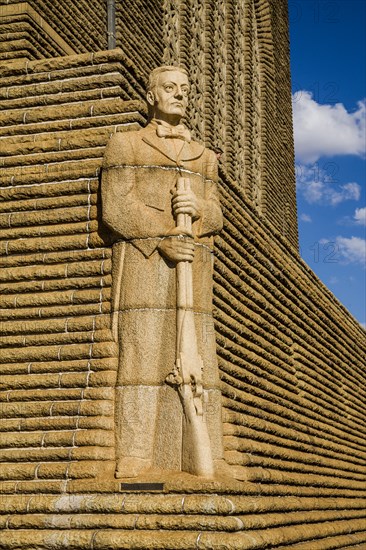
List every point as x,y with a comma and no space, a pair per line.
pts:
58,358
237,56
292,359
25,34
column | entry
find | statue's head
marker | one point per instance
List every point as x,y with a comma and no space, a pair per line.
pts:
167,95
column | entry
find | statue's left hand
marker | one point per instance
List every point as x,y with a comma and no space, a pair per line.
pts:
186,202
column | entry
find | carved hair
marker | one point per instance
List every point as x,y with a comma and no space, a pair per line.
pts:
153,77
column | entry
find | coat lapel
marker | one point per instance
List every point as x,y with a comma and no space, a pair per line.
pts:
165,146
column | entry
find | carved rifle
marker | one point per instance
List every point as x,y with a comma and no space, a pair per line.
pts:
187,374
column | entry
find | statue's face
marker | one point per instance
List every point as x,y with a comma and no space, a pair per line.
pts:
170,96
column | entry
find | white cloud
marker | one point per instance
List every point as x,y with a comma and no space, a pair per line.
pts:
351,250
327,130
360,216
348,191
305,218
315,184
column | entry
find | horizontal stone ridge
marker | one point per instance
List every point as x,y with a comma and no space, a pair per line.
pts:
57,357
83,26
28,34
179,521
87,63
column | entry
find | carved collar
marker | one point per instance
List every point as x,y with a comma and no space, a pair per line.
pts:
186,152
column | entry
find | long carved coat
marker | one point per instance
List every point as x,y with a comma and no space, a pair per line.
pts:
140,172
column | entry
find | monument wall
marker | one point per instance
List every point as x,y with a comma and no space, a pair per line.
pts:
31,29
291,357
237,55
56,269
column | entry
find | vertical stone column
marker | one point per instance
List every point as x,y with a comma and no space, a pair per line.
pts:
240,78
171,32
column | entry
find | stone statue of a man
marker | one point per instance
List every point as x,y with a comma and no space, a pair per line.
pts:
142,202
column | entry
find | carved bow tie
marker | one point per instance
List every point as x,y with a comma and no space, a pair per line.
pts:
180,132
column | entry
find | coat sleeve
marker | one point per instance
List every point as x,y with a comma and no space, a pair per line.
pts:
211,220
123,212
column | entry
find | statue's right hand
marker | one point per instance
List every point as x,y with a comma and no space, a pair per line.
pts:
177,249
174,231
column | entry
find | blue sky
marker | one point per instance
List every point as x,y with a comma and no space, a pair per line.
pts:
328,66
